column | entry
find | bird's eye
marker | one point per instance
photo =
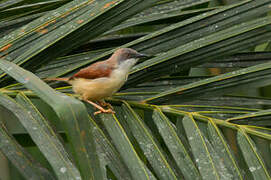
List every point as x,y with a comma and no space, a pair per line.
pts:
127,55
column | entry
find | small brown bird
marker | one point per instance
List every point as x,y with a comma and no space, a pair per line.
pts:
102,79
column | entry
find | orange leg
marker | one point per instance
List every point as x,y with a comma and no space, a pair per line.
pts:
101,109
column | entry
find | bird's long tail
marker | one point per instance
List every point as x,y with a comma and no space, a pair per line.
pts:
57,79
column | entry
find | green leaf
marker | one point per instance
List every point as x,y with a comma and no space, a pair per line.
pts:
148,145
254,161
8,3
252,102
8,26
109,154
258,75
124,147
69,111
260,118
26,165
30,8
157,18
218,141
175,146
185,32
240,60
169,6
52,35
47,141
200,150
218,44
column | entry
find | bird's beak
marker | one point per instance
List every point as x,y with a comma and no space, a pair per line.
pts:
140,55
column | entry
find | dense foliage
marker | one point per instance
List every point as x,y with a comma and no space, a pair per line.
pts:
199,108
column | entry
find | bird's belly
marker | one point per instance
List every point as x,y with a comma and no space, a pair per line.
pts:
96,89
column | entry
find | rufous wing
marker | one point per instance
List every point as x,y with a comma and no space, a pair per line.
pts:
96,70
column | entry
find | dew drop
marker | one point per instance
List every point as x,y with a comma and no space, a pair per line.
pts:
63,170
252,169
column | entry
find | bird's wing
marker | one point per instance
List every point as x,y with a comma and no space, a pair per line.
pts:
96,70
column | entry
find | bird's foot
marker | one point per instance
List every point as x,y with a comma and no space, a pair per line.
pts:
105,104
109,111
101,109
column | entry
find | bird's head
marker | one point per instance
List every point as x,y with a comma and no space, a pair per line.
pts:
127,54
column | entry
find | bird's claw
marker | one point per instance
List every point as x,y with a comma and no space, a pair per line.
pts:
104,104
109,111
109,106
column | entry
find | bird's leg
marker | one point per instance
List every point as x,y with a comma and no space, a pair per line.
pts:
101,109
105,104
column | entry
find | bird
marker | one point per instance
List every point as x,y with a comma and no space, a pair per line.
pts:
103,78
